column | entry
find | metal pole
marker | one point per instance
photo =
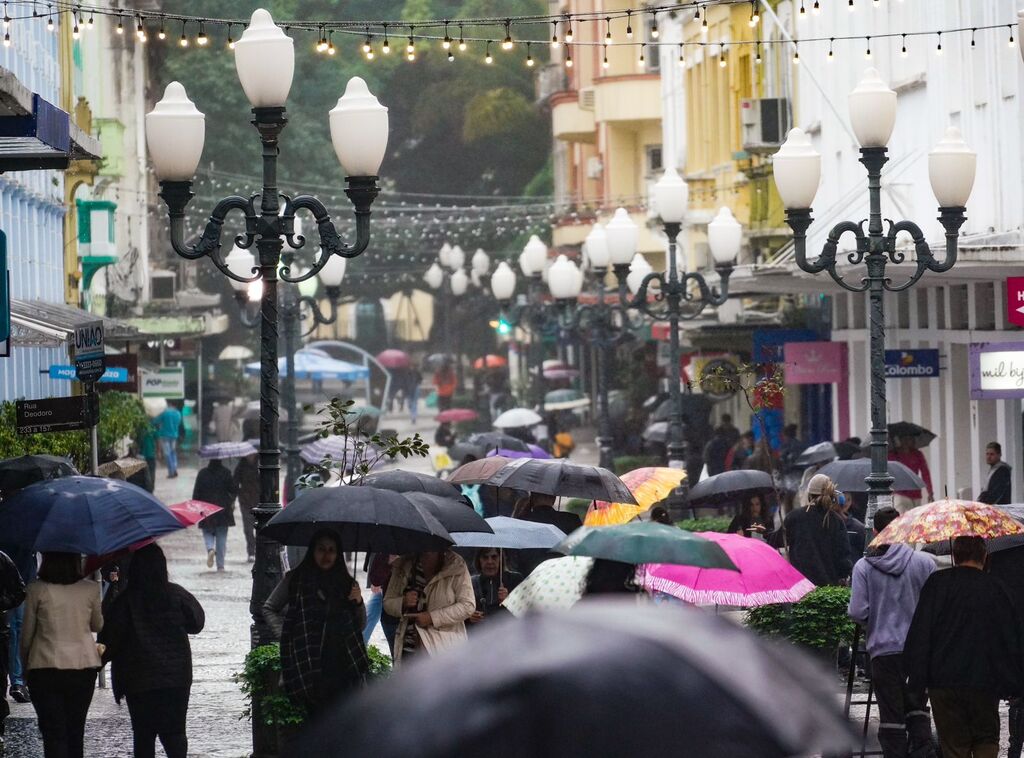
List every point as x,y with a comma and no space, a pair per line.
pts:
290,317
94,436
676,447
199,392
604,430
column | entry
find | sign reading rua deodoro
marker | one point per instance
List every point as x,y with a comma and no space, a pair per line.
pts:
54,414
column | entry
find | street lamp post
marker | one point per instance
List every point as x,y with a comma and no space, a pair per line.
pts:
448,277
951,169
175,132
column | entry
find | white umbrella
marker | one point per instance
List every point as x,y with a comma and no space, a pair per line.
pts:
235,353
517,418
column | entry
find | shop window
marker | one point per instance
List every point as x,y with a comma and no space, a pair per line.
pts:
985,305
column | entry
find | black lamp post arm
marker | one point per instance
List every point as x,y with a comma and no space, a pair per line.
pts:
679,291
311,306
330,241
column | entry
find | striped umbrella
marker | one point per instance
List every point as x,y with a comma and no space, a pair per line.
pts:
223,450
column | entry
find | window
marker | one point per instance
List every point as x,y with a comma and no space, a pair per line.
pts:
653,162
653,52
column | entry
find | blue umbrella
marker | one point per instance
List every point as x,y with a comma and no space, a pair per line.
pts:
512,533
83,514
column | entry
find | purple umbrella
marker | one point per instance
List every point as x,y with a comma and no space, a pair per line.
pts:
536,451
224,450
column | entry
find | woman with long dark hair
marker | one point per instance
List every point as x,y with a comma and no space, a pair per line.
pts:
62,610
145,631
752,518
317,611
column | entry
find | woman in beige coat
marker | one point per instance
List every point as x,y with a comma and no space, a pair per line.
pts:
432,594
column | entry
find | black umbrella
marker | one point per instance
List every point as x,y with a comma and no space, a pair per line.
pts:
453,515
562,478
402,481
656,432
605,679
921,436
17,473
479,471
498,440
823,451
848,476
366,518
730,486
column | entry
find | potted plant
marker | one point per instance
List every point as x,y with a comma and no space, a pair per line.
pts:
817,623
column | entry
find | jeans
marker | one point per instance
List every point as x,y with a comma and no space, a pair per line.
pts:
414,398
61,698
159,713
14,618
373,611
170,447
217,540
903,721
967,721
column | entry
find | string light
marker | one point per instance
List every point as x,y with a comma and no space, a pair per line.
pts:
796,54
816,8
321,44
507,42
642,62
446,43
369,54
973,44
184,40
462,42
903,50
831,53
568,29
49,21
629,24
91,23
488,58
74,29
721,56
655,33
386,46
201,38
938,46
568,57
554,35
1012,42
231,40
803,11
529,56
7,17
755,17
608,31
451,56
120,25
162,34
867,49
704,22
604,61
7,39
850,7
757,53
330,43
410,48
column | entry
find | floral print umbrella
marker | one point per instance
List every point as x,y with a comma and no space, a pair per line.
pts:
946,520
649,485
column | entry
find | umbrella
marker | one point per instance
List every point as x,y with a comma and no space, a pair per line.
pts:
848,476
457,415
764,576
336,447
490,361
365,518
224,450
517,418
512,534
235,353
393,359
554,584
946,520
605,679
478,472
400,480
312,363
439,359
125,467
656,432
495,440
16,473
922,437
454,515
645,542
823,451
83,514
649,485
730,486
560,373
567,405
364,410
561,478
535,451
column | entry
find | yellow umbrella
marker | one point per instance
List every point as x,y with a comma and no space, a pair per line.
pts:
649,485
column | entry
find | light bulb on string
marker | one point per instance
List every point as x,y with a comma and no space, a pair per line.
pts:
74,29
321,44
184,39
796,54
162,34
903,49
655,32
568,28
367,46
867,48
529,56
410,47
938,46
682,56
816,8
568,57
831,52
850,6
554,35
91,23
49,21
604,60
120,25
202,39
446,43
642,62
704,22
608,31
803,11
721,57
629,24
755,17
757,53
451,56
386,45
1011,42
974,45
7,17
462,42
507,43
488,58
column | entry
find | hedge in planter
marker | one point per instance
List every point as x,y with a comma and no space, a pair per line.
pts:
818,621
707,524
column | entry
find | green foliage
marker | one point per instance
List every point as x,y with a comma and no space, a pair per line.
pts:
258,681
625,463
121,415
707,524
818,621
380,663
577,505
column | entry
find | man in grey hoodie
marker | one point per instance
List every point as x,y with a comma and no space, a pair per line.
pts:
885,589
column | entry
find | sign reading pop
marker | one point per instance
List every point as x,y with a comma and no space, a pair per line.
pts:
911,364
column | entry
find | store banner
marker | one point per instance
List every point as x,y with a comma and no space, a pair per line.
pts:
997,370
815,362
769,344
911,364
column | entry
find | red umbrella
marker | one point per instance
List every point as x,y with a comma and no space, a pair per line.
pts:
188,512
393,359
490,361
457,415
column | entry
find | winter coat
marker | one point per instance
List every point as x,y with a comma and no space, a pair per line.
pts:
12,588
147,642
450,601
214,484
59,621
818,546
884,594
997,489
247,483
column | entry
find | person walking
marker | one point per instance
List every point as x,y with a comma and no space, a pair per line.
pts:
25,563
168,428
414,378
147,449
59,653
818,546
905,451
445,382
998,487
965,646
716,451
884,591
145,632
742,449
432,595
247,485
317,613
214,484
12,594
491,584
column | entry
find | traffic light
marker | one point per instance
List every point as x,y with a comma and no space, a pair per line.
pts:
501,326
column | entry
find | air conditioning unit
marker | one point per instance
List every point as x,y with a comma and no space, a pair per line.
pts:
594,167
162,286
586,99
764,123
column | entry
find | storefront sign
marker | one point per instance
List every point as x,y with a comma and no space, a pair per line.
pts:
815,362
1015,300
164,382
769,344
89,365
54,414
911,364
67,373
997,370
128,363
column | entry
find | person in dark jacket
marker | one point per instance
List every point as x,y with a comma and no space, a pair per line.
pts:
752,519
997,489
715,452
145,631
540,508
883,597
818,546
214,484
247,484
12,594
1008,565
317,612
491,584
965,645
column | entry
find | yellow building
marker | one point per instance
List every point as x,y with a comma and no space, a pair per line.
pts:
606,119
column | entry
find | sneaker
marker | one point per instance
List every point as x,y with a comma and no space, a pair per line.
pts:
211,556
19,693
220,568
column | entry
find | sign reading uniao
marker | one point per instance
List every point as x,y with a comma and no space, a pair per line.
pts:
89,364
911,364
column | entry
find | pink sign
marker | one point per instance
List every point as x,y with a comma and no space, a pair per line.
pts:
1015,300
815,362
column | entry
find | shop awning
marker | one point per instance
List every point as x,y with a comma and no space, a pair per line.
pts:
35,323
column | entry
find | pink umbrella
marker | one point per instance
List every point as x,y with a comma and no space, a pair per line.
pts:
764,576
457,415
393,359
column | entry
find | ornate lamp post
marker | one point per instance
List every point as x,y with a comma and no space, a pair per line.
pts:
951,169
175,131
447,276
